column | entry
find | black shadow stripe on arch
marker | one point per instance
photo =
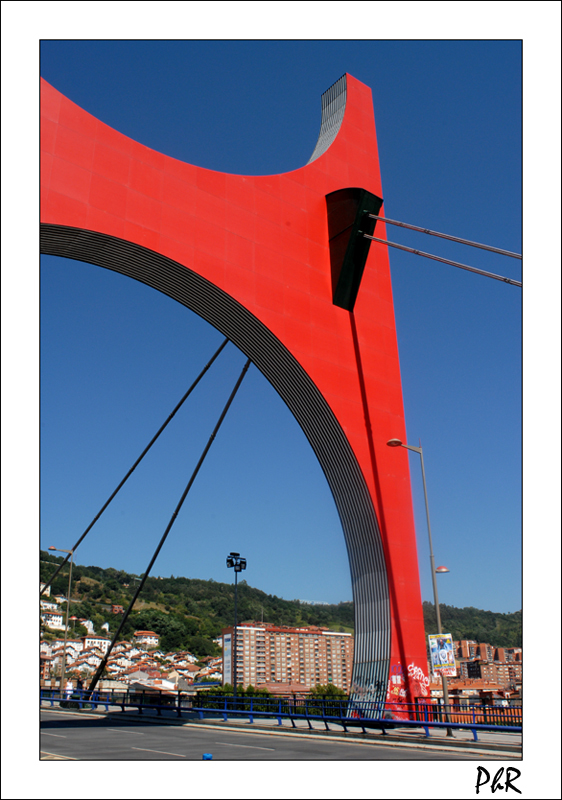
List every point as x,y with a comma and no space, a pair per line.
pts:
312,412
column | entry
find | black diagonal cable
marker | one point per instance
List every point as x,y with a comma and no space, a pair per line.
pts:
444,260
137,462
101,667
446,236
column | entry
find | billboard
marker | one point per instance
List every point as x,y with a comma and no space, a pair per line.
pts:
442,654
226,658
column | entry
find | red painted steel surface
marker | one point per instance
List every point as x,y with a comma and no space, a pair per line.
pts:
264,241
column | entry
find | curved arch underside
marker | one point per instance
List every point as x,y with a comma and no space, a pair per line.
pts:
310,409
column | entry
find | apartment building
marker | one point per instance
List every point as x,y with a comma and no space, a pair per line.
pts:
466,648
485,651
508,654
276,654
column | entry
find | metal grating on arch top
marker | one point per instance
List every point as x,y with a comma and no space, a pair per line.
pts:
312,412
333,110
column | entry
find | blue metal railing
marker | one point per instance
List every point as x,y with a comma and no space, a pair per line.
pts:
348,714
355,714
136,698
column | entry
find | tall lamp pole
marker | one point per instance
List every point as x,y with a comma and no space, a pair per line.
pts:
71,553
399,443
234,560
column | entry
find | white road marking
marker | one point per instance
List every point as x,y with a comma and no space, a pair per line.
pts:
45,756
61,714
146,750
251,746
121,730
44,733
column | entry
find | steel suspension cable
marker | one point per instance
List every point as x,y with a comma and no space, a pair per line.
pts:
101,667
137,462
446,236
444,260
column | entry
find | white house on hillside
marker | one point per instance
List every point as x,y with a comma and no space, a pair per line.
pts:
45,648
53,619
88,624
147,639
96,641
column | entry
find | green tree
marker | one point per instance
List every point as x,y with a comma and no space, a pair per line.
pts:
202,646
327,690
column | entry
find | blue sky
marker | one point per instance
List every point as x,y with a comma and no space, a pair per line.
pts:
116,355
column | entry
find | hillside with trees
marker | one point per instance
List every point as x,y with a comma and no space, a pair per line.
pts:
188,613
500,630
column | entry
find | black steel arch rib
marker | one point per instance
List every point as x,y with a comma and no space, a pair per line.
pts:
310,409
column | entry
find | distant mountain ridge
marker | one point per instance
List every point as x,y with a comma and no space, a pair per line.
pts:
188,613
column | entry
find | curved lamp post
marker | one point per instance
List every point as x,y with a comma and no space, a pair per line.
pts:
399,443
71,553
234,560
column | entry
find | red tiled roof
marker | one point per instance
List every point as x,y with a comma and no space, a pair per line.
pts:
284,688
477,684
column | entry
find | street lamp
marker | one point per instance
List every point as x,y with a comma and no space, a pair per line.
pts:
234,560
399,443
71,553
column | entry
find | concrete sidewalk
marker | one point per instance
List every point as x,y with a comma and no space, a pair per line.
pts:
462,738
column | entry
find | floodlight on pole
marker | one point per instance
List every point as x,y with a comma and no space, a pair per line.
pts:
233,560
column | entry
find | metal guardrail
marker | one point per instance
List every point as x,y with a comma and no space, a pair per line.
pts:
140,699
348,714
355,714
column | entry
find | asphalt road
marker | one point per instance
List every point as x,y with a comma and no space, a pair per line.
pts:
88,738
